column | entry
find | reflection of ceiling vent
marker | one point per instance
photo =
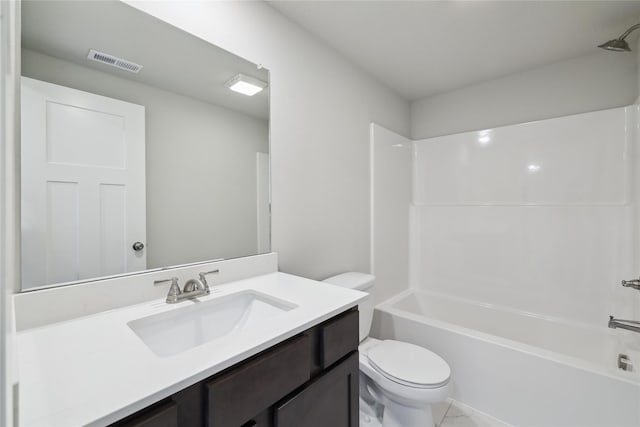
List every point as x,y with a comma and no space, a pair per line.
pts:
114,61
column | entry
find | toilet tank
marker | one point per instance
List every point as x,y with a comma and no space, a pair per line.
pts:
360,282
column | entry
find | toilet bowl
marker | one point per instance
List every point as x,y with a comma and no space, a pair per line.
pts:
406,380
398,381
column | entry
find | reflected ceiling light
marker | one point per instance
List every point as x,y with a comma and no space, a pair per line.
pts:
619,44
245,85
533,168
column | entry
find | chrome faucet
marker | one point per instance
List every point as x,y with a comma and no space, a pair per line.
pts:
192,288
629,325
634,284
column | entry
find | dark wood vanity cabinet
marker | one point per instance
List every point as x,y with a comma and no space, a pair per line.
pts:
310,380
248,389
329,400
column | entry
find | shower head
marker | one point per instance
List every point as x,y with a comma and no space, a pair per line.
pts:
616,45
619,44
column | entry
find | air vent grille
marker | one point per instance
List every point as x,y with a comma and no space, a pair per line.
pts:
114,61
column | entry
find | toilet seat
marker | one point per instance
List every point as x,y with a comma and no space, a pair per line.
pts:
409,364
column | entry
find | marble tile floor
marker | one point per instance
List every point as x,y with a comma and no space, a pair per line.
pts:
449,414
456,414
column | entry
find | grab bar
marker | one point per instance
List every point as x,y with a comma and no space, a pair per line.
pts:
629,325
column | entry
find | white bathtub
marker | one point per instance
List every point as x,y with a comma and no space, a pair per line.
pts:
524,369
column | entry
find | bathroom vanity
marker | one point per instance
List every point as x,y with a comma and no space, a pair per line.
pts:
270,350
308,380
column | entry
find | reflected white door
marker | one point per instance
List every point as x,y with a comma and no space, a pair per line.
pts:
83,185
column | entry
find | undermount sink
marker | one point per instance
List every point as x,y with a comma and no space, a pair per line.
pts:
175,331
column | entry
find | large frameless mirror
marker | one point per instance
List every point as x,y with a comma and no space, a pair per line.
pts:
135,153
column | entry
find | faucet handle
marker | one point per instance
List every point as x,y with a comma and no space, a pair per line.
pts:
173,280
174,290
203,277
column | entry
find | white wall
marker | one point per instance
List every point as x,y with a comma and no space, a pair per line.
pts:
200,165
587,83
321,107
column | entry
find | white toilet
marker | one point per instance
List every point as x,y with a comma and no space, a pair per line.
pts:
398,381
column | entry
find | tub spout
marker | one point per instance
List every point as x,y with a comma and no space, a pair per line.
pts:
629,325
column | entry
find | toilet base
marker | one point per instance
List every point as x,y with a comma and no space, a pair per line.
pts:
396,415
367,420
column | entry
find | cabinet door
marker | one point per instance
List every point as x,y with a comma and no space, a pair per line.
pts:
235,396
330,400
164,414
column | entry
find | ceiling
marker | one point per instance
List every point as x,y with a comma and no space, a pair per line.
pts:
172,59
422,48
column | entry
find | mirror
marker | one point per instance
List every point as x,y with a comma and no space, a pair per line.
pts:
134,153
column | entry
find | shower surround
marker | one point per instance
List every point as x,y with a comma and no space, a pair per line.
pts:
540,217
525,233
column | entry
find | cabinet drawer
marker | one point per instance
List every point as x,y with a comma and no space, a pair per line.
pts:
338,337
162,415
331,400
237,395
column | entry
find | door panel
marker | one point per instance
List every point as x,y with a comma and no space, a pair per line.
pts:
62,231
77,136
113,222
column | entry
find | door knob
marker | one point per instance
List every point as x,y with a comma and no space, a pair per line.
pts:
138,246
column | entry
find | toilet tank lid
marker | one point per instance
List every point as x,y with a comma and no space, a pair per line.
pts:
352,280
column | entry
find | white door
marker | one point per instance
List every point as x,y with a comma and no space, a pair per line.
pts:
83,185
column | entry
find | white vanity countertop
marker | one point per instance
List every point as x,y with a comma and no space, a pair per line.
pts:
95,370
